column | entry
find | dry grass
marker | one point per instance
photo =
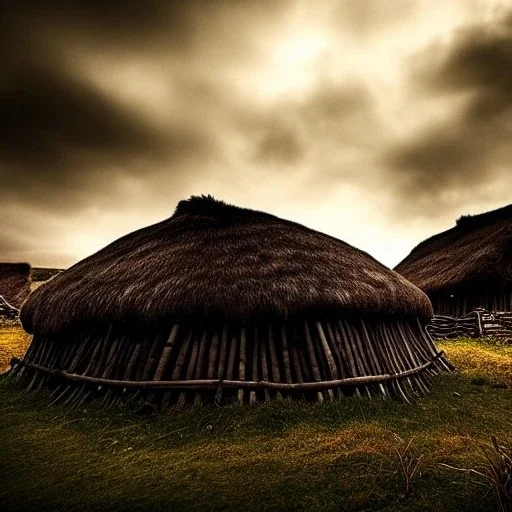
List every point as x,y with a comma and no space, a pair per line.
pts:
34,285
13,342
479,359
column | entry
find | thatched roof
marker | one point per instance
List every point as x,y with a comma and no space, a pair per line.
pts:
475,254
14,282
215,260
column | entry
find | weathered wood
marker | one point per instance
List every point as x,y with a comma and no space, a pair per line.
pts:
132,360
242,384
274,363
149,367
414,357
343,344
103,354
354,344
241,367
334,343
255,359
198,372
264,366
212,357
312,360
296,363
112,356
396,362
223,352
333,371
180,361
166,352
81,349
286,355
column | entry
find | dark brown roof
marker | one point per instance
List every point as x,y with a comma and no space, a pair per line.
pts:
213,259
476,253
14,282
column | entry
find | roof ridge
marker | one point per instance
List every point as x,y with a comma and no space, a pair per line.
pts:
474,221
207,205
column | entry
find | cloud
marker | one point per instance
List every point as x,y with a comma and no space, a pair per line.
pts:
66,141
470,76
43,117
363,18
111,112
331,118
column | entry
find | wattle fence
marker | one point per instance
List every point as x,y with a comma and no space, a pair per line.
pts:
477,324
7,311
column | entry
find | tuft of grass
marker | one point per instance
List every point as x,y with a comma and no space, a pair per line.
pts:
496,472
409,463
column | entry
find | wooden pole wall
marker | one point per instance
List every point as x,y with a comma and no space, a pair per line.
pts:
305,352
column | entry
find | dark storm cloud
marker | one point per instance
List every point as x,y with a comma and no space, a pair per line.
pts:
45,116
59,132
110,112
131,22
472,75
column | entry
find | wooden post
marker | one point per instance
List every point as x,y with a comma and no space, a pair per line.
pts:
166,352
255,359
312,359
274,364
241,371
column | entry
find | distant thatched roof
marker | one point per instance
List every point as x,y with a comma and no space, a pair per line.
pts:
476,253
215,260
14,282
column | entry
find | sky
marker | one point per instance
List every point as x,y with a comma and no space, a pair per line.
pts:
378,122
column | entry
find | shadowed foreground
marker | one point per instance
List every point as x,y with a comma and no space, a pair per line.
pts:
277,456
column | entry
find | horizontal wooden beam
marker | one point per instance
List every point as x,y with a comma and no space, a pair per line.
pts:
199,384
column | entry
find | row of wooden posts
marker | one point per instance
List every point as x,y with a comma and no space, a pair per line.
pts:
477,324
318,360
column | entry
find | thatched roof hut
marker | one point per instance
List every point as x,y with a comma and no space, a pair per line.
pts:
219,301
14,282
466,267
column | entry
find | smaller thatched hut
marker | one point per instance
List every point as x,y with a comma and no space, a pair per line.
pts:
467,267
14,282
223,302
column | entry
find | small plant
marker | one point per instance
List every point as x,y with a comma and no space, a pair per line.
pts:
409,464
404,465
496,470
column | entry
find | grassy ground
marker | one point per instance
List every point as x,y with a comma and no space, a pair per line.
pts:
13,342
280,456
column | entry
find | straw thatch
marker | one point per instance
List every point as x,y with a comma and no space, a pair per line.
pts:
466,267
14,282
219,301
211,260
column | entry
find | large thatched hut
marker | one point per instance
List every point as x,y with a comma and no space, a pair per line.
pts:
14,282
219,302
467,267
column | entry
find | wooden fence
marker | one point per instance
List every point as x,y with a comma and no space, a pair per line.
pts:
304,358
7,311
477,324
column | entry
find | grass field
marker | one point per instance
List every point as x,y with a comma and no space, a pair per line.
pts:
280,456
